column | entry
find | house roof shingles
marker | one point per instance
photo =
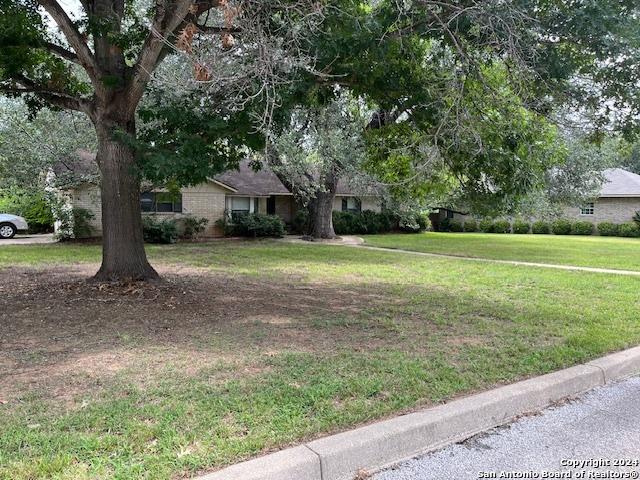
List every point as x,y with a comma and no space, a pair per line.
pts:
247,182
83,164
620,183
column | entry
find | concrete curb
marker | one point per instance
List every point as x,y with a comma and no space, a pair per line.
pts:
375,446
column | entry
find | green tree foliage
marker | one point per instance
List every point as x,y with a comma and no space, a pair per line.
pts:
31,146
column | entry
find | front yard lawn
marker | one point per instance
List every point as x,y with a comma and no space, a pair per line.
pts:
252,346
584,251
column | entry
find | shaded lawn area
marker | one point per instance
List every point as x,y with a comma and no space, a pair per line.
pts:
584,251
248,347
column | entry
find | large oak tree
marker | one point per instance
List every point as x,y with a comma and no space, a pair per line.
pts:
98,59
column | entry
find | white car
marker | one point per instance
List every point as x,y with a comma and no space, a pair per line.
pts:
10,224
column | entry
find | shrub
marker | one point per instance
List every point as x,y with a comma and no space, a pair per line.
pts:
628,229
300,222
520,226
608,229
561,227
636,218
444,225
470,226
82,223
388,221
486,225
456,226
74,223
413,222
253,225
540,227
501,226
423,220
582,228
348,223
373,222
159,231
192,227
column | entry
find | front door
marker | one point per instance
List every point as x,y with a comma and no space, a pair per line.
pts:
271,205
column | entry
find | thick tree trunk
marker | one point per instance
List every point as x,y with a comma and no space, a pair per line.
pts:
123,254
321,208
321,215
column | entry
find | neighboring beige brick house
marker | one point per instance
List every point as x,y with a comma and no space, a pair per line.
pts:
244,190
617,201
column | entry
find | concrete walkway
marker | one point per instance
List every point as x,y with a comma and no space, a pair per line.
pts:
29,239
603,424
349,240
506,262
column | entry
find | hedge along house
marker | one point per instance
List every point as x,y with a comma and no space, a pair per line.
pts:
237,191
617,201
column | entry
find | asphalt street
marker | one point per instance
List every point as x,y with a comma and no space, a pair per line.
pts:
594,436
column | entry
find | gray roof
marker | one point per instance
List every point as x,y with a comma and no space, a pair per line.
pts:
83,164
249,182
620,183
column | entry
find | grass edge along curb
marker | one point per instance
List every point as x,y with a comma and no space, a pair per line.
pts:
381,444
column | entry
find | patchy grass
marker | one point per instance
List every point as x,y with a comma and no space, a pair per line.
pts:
251,346
584,251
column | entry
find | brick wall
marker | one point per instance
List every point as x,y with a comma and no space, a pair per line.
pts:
203,201
285,207
206,200
87,196
616,210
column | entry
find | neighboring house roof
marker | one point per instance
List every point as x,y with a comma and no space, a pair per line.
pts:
620,183
80,167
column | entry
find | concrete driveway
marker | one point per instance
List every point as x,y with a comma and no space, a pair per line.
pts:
29,239
595,436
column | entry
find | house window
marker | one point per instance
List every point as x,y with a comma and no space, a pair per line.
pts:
587,209
449,214
161,202
240,205
351,204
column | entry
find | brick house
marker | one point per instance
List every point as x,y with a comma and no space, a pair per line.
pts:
235,191
617,201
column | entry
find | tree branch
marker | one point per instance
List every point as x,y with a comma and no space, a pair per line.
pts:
74,38
165,24
217,29
62,52
59,99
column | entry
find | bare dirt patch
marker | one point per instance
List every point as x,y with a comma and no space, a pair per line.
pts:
62,335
